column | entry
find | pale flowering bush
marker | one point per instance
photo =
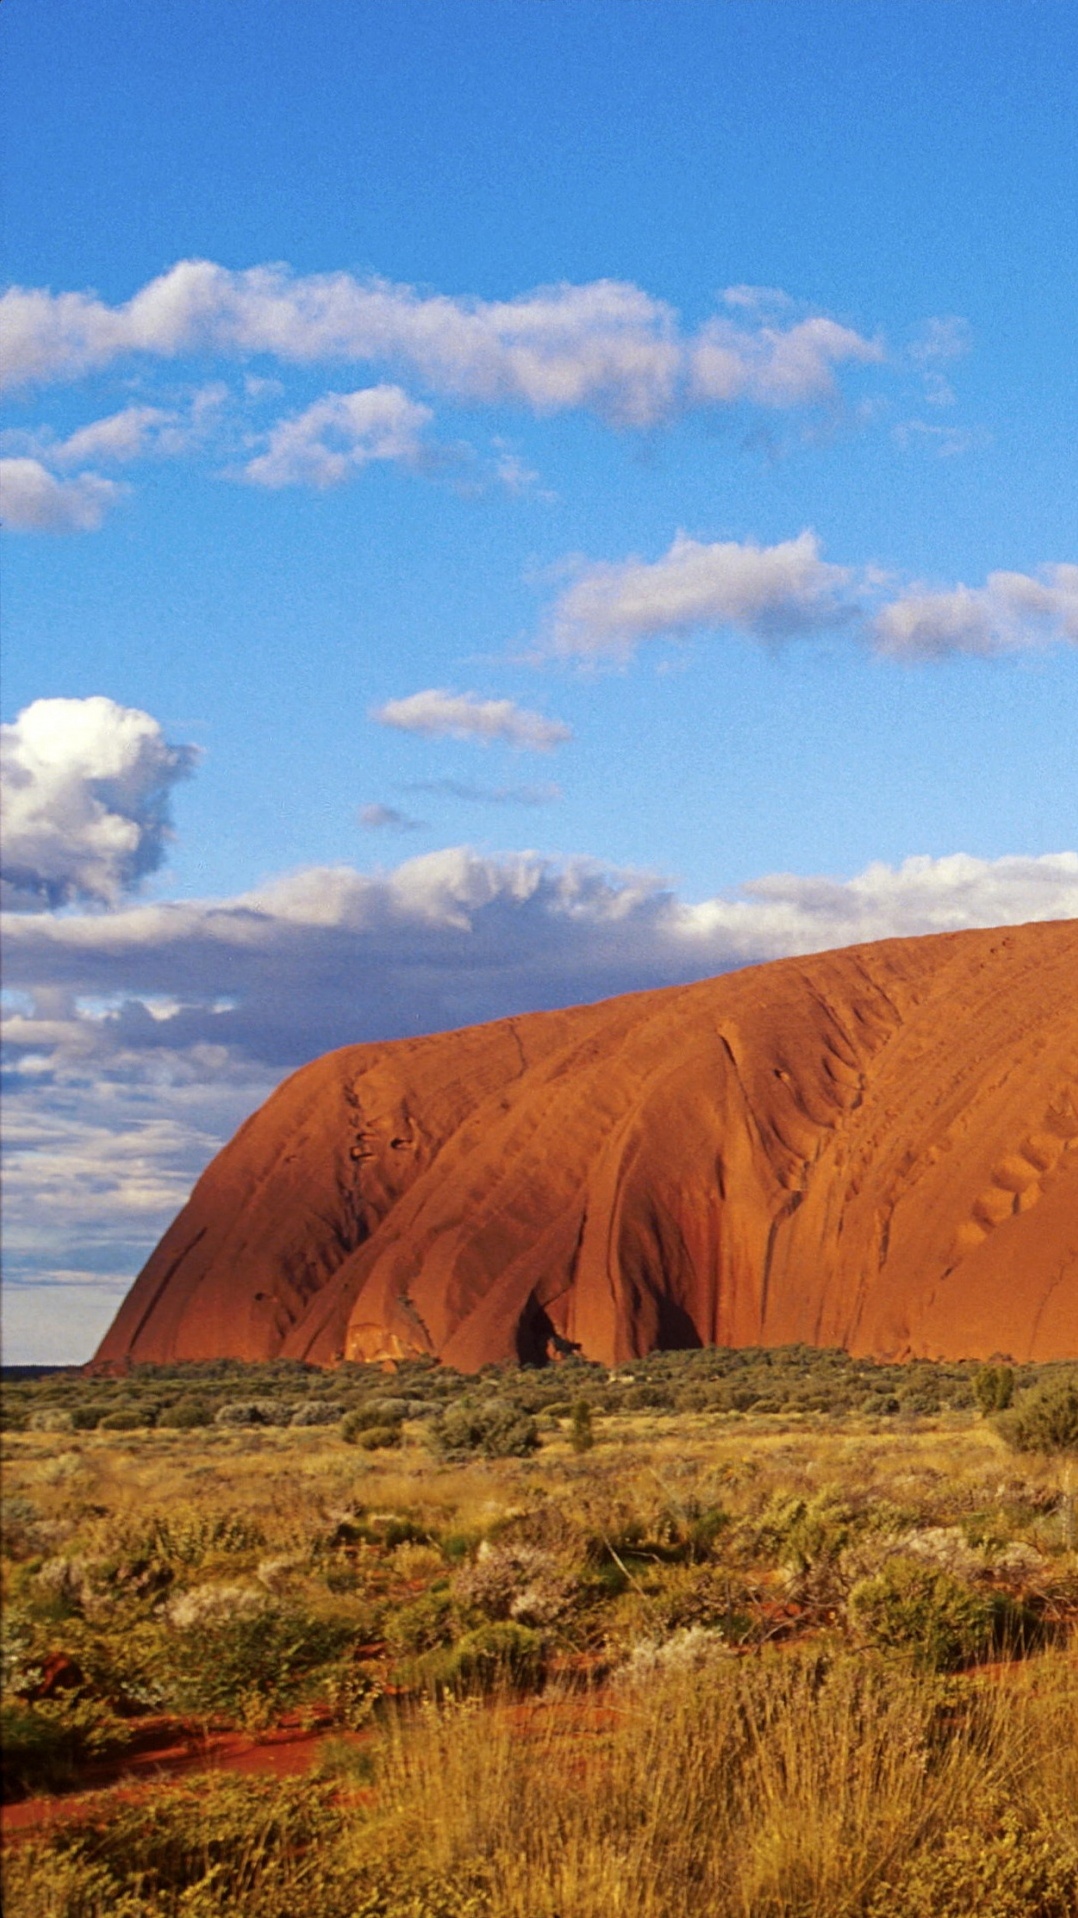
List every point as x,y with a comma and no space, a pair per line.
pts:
947,1547
692,1649
206,1606
520,1582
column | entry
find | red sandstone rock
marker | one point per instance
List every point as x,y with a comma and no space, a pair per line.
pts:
875,1148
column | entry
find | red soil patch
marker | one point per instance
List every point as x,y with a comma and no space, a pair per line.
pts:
169,1748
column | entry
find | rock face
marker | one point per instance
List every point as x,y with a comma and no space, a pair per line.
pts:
875,1148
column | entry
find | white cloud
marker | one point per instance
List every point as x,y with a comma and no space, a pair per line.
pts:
773,365
86,787
33,500
438,714
768,591
1012,612
340,433
126,435
607,345
775,592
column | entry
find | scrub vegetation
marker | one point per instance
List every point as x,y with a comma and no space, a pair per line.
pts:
773,1634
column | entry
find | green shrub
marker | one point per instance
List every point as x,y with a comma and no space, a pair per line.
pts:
497,1654
186,1414
216,1848
421,1626
317,1412
238,1653
1019,1871
46,1744
582,1435
51,1419
916,1608
1046,1419
378,1438
253,1412
500,1430
993,1388
126,1418
361,1427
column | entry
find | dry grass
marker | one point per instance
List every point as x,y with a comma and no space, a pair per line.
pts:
752,1789
814,1779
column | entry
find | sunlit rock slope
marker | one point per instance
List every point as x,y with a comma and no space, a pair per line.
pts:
875,1148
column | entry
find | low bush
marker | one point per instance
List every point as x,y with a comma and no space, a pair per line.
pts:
1045,1419
207,1850
237,1652
422,1625
253,1412
495,1656
582,1432
51,1419
500,1430
371,1434
47,1743
914,1607
1024,1869
127,1418
317,1412
186,1415
993,1387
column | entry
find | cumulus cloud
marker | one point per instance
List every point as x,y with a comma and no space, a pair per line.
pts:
1012,612
607,345
438,714
86,786
33,500
337,435
771,592
776,366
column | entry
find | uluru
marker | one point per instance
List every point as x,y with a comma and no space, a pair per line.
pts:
874,1148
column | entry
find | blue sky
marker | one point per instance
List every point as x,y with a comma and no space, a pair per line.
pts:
601,510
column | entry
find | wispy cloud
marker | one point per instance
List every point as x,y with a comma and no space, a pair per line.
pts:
939,343
379,818
546,793
947,442
438,714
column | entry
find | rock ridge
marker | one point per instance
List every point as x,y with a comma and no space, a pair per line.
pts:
874,1148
